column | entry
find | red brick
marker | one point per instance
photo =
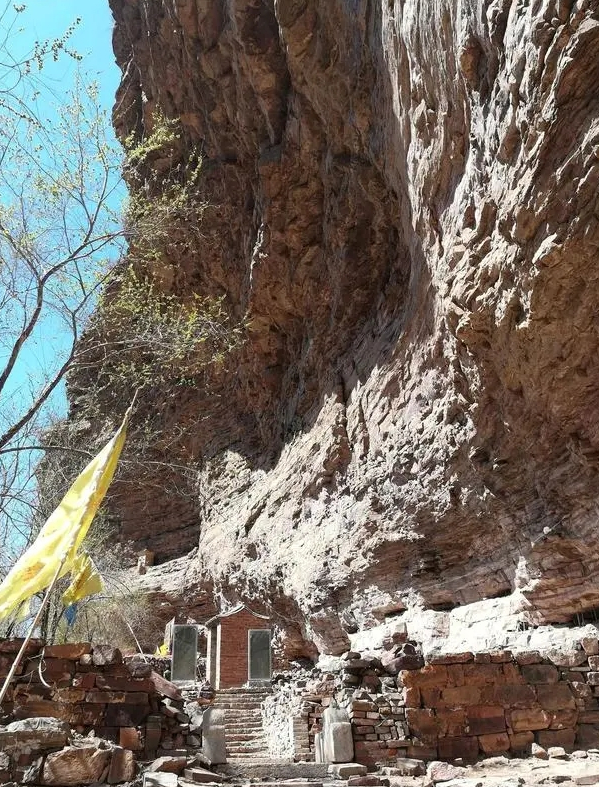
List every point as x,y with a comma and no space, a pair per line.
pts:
165,687
485,720
129,738
52,667
520,742
422,752
556,696
463,695
454,658
529,719
13,646
85,680
540,673
512,674
501,656
431,676
510,696
455,675
70,650
124,684
528,657
561,719
587,736
69,695
431,698
32,692
234,636
565,738
411,697
481,674
422,723
451,722
105,696
464,747
494,743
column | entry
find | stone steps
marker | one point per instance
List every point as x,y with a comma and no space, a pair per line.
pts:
240,746
237,711
279,770
239,708
245,753
244,734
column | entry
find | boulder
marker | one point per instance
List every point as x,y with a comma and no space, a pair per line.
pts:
74,766
106,654
407,766
444,772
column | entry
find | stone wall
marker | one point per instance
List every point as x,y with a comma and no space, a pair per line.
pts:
93,689
467,705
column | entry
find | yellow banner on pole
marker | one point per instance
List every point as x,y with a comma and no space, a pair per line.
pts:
85,580
65,529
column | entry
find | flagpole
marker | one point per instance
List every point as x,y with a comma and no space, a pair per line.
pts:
34,625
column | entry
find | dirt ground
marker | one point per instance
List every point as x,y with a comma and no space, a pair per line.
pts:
580,768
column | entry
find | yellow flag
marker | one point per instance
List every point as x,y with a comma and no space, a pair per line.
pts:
85,580
65,529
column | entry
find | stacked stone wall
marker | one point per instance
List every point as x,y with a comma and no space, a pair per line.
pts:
463,705
93,689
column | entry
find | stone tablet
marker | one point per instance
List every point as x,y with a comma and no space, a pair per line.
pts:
185,653
259,655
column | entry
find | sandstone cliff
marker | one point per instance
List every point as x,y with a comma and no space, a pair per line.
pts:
404,201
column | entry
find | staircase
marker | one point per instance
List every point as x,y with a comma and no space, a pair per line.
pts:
244,735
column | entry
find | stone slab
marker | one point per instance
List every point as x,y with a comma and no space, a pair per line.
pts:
160,779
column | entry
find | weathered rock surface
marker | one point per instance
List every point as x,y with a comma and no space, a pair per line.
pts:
75,766
404,201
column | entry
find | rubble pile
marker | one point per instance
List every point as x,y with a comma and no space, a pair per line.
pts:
44,751
93,691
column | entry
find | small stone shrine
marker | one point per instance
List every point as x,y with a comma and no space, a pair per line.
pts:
238,649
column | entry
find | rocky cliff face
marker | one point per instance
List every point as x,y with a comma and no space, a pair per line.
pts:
404,201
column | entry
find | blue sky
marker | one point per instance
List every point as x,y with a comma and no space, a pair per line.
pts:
43,20
48,19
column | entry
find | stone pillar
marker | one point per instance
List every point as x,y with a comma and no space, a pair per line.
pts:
337,739
213,736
